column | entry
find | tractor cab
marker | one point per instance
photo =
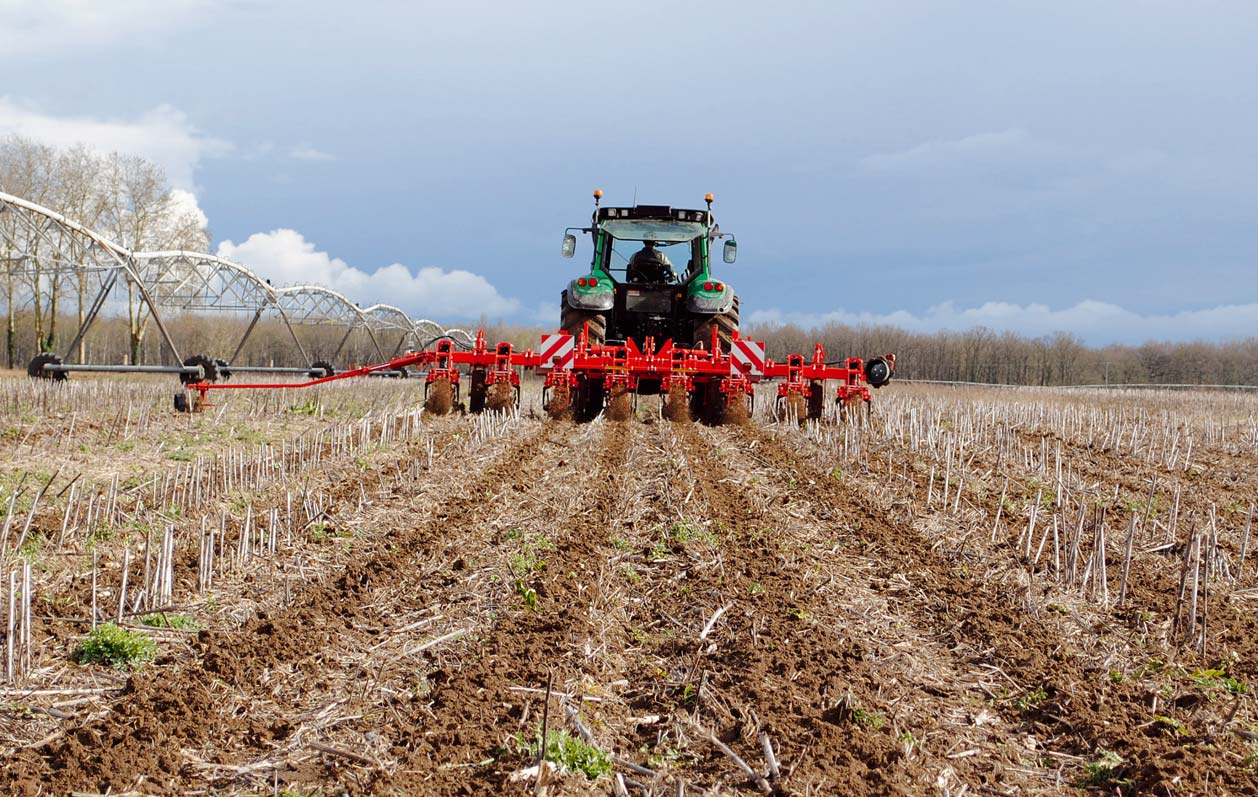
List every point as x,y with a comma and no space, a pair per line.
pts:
650,275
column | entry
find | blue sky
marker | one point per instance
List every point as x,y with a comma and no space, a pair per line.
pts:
1068,165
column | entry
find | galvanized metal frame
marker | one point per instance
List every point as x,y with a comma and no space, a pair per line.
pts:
45,247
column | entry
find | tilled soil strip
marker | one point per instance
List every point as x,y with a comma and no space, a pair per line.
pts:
830,676
474,711
1139,630
162,711
923,695
1153,585
264,584
363,701
1078,709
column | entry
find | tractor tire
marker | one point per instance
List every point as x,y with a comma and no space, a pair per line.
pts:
726,325
816,399
707,404
587,400
572,321
477,392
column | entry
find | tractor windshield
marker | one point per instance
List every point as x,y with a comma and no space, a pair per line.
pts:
676,241
653,230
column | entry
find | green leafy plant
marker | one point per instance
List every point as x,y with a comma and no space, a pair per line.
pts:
527,594
1031,700
682,532
1170,723
310,407
115,647
570,754
630,573
1104,770
870,719
181,622
1217,678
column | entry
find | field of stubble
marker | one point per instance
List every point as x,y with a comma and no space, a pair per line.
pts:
1011,592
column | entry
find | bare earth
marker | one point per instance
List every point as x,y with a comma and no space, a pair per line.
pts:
934,600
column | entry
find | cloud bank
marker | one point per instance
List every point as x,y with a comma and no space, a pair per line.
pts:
285,257
1095,322
60,27
163,135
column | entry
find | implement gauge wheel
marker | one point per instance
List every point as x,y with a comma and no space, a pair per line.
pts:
37,368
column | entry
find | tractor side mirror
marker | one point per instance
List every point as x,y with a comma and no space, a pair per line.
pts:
730,252
569,245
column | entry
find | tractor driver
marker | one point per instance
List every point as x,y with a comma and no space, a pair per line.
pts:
649,264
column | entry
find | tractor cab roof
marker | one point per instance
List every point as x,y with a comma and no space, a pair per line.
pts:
655,212
653,223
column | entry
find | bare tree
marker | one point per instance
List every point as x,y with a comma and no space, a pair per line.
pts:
140,212
25,170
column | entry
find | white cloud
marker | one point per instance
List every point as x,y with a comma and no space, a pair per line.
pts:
162,135
1095,322
286,257
1014,148
303,152
35,28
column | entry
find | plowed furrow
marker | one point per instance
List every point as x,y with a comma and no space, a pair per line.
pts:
1077,710
468,736
170,720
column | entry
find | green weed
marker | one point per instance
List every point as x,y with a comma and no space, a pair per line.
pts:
181,622
570,754
1031,700
115,647
1104,770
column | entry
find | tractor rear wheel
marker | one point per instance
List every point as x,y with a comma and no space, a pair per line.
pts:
573,320
707,403
588,399
816,399
726,325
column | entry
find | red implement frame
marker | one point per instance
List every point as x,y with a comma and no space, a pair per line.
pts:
624,367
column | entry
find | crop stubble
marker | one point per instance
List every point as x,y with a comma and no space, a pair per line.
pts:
686,579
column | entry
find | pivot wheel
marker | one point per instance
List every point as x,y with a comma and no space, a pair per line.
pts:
320,369
572,320
37,368
209,369
726,325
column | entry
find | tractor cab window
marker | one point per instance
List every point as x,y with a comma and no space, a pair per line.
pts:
651,251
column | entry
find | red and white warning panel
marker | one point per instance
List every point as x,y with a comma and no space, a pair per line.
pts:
748,358
556,352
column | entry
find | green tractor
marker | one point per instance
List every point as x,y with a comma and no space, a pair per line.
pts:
651,276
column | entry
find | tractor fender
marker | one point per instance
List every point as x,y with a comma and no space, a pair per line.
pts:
582,298
711,305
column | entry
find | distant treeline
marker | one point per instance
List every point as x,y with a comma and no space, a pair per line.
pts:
981,355
978,355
